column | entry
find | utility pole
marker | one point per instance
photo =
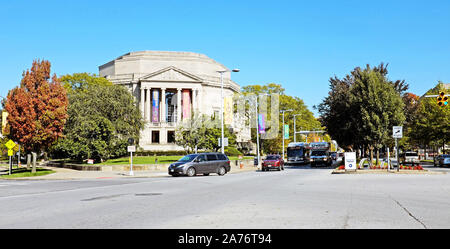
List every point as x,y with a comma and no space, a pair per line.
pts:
283,111
295,129
221,106
257,130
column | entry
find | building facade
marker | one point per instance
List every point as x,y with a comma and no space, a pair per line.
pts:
170,87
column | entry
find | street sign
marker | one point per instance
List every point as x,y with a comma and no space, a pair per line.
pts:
10,144
10,152
131,148
397,131
225,142
350,160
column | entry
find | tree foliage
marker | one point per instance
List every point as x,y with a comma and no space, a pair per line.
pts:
37,109
202,132
102,117
362,108
305,119
431,125
82,81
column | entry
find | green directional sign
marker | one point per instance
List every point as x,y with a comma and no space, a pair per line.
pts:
286,131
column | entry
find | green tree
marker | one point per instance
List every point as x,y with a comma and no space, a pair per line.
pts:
202,132
378,107
305,119
82,81
102,117
431,127
362,108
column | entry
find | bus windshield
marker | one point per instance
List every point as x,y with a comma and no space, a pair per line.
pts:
318,153
294,152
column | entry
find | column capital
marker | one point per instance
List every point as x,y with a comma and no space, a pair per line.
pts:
163,88
179,88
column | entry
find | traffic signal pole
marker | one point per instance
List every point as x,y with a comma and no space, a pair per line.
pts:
441,98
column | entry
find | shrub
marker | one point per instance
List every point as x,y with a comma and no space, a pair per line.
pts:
232,151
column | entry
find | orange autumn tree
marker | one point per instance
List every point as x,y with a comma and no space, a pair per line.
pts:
37,109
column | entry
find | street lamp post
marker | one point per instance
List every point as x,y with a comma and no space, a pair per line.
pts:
283,111
257,128
295,129
221,105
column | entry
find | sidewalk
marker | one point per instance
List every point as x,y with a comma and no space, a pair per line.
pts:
70,174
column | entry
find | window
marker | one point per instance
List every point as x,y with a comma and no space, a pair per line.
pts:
211,157
222,157
155,137
201,158
187,158
171,110
171,137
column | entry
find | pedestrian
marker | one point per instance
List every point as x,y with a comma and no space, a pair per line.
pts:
156,159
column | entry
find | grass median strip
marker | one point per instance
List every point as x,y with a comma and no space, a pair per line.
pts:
24,172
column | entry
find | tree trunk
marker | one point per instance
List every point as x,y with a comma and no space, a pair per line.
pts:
28,161
33,169
371,154
378,156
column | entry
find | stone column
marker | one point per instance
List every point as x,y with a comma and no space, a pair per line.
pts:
194,101
142,101
179,109
162,118
199,100
148,105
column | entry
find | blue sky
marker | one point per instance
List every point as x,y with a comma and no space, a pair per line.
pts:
299,44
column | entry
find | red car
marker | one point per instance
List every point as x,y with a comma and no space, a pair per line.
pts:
273,162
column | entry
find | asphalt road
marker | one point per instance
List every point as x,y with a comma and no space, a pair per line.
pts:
299,197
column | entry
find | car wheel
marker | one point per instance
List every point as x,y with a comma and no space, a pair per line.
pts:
190,172
279,168
221,171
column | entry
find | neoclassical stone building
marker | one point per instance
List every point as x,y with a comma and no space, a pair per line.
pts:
169,87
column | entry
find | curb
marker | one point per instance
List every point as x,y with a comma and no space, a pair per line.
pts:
385,172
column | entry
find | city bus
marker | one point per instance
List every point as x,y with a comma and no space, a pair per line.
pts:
297,153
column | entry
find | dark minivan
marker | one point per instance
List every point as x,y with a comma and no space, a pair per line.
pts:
201,163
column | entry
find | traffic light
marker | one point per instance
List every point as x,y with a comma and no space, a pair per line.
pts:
442,100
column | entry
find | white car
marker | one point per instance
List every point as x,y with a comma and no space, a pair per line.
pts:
410,157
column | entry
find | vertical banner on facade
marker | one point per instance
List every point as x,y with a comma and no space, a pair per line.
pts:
155,106
228,110
261,124
186,104
286,131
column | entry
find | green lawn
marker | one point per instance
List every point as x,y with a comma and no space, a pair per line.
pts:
23,172
151,160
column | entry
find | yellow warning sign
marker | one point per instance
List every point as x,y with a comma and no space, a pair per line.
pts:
10,144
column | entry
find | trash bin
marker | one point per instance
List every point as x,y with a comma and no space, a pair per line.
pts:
255,162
